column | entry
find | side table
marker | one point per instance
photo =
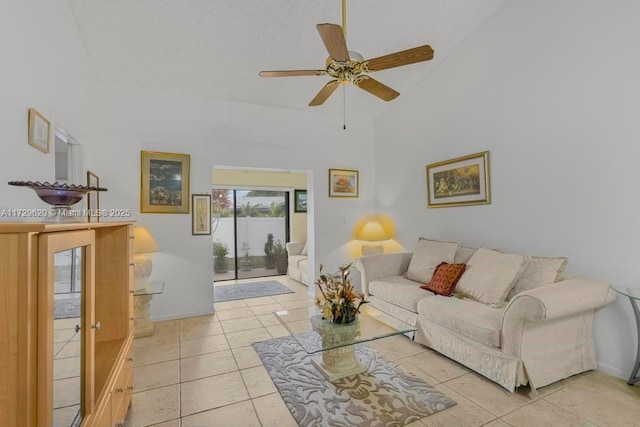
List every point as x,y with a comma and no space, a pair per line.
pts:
634,295
143,323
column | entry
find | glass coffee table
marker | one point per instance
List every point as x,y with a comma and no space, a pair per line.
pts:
634,295
336,342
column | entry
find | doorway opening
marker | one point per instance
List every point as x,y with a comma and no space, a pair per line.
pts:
250,228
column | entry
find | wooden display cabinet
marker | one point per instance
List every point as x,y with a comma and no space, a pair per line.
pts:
104,329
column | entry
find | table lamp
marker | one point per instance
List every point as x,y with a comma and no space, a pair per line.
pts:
143,245
372,232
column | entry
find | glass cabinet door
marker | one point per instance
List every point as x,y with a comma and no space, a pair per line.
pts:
66,328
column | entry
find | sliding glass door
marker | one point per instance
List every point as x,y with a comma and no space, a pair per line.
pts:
249,229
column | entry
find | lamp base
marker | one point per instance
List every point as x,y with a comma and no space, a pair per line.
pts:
372,249
142,271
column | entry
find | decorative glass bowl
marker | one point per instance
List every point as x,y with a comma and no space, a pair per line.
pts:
59,196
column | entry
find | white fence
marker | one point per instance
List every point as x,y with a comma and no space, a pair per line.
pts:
251,230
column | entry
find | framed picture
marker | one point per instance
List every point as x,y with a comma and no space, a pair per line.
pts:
164,186
343,183
459,182
300,201
201,214
93,197
39,131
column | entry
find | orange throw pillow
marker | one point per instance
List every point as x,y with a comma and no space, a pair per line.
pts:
445,278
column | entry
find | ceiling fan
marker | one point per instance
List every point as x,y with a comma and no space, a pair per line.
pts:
350,67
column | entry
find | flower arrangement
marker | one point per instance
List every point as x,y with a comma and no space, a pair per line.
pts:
340,304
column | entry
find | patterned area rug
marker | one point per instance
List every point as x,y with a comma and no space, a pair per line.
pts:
249,290
383,395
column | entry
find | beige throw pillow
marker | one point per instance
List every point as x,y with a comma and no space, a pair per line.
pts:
464,254
427,256
538,272
489,276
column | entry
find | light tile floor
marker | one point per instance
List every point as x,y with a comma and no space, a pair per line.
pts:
66,371
202,371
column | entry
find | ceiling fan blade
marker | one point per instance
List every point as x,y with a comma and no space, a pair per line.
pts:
398,59
324,93
376,88
333,39
292,73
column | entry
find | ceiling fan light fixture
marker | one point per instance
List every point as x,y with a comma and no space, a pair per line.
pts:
355,56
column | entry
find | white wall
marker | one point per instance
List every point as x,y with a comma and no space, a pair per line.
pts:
43,66
230,134
551,89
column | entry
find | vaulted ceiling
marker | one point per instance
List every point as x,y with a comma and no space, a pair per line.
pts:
215,48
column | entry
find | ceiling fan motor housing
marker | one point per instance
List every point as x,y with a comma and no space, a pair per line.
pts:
346,72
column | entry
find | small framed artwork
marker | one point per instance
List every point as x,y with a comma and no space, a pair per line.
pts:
201,214
343,183
164,186
459,182
93,197
39,131
300,201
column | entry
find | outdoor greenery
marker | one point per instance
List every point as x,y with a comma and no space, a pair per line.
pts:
276,209
248,210
220,252
279,250
280,253
220,202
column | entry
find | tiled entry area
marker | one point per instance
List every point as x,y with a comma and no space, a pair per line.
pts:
203,372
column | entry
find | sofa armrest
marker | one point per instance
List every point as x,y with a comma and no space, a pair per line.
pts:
559,299
376,267
294,248
553,301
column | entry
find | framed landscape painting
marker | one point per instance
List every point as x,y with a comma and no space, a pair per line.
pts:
459,182
343,183
164,186
201,214
300,201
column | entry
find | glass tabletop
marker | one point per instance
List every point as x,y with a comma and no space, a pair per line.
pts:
316,335
626,291
154,288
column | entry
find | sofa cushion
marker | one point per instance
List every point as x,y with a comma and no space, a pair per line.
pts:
427,256
399,291
464,254
467,317
304,250
445,278
294,260
538,271
489,276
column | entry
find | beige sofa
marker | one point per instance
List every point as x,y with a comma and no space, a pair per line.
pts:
537,336
298,261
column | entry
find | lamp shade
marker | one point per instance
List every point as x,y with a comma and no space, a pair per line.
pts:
374,228
144,242
372,231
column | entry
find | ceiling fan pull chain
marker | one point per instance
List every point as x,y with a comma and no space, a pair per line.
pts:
344,107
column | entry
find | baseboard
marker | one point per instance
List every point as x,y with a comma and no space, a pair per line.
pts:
175,316
613,371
